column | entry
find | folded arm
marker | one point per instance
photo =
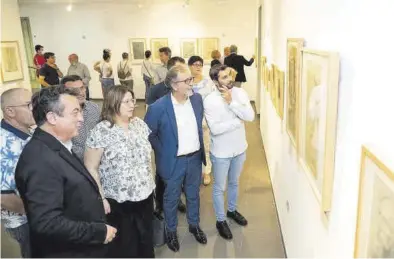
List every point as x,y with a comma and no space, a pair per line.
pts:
242,107
12,202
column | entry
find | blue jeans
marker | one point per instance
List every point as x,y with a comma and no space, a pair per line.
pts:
148,85
106,83
226,169
187,172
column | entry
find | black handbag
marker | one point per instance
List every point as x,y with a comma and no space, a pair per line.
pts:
158,230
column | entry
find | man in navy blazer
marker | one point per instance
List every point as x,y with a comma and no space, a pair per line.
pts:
177,139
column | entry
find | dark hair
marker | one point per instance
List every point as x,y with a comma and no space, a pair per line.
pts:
194,59
166,50
125,55
70,78
48,100
106,55
38,47
48,55
148,53
215,70
171,62
112,101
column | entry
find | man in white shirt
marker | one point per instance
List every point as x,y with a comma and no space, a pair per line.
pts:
161,70
125,72
225,110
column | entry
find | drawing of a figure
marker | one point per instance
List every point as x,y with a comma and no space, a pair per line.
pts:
138,50
9,59
188,49
315,104
381,236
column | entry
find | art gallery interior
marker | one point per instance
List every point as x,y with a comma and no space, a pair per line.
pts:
333,212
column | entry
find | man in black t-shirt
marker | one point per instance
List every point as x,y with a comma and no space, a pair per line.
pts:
49,73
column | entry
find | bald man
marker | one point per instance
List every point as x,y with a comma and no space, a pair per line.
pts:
79,69
15,133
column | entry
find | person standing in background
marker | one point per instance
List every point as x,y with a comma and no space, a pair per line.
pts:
204,86
216,56
15,133
226,53
39,59
104,68
79,69
125,72
147,71
49,72
161,70
238,62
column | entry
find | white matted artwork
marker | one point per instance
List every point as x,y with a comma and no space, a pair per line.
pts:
189,48
11,63
318,119
137,49
375,216
155,45
206,46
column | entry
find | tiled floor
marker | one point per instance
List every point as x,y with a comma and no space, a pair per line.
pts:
262,236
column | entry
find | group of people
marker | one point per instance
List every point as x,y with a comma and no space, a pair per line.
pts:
77,182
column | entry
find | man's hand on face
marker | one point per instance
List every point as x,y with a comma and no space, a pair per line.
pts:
226,94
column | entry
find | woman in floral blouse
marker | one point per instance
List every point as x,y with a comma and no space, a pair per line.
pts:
118,155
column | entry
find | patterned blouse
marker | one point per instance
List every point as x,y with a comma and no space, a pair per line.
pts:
125,168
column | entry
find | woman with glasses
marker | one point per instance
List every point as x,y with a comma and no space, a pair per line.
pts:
204,86
118,156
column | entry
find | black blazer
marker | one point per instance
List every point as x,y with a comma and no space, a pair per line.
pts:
215,62
238,62
156,92
62,201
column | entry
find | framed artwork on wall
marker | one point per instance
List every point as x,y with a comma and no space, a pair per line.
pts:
375,215
206,46
280,93
318,119
189,48
11,63
294,47
262,72
137,49
155,45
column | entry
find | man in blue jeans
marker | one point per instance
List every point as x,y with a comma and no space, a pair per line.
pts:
225,110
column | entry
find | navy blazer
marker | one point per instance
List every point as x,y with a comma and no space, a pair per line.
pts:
161,120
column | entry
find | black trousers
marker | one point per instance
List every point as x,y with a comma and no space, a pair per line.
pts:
133,221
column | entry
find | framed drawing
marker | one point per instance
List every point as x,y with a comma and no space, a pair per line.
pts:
294,47
280,93
137,49
188,48
155,45
375,215
262,72
206,46
11,63
274,86
318,118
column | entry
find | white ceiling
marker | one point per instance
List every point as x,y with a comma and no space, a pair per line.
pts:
146,2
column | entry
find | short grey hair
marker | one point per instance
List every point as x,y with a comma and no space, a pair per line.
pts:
173,74
233,49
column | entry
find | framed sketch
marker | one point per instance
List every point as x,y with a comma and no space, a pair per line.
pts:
188,48
137,49
11,63
375,215
280,93
274,84
262,72
206,46
294,47
155,45
318,118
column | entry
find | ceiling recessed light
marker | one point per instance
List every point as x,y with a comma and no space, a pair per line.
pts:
69,8
140,6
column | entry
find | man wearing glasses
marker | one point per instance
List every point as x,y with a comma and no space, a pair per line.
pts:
91,114
177,139
15,133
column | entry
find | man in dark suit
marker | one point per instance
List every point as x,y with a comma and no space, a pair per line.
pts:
155,94
63,204
238,62
177,139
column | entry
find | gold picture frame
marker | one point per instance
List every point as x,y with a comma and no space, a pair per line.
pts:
293,72
11,63
137,49
273,84
318,120
280,93
375,213
262,72
206,46
189,47
155,45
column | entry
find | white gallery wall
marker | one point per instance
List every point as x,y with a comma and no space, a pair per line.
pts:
11,30
90,27
360,32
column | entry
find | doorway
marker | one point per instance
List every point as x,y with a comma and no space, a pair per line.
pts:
29,49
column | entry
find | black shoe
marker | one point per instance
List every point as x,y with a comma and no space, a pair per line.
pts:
181,206
224,230
237,217
198,234
172,241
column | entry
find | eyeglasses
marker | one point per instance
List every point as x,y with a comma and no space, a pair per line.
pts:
197,65
133,101
186,81
29,105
